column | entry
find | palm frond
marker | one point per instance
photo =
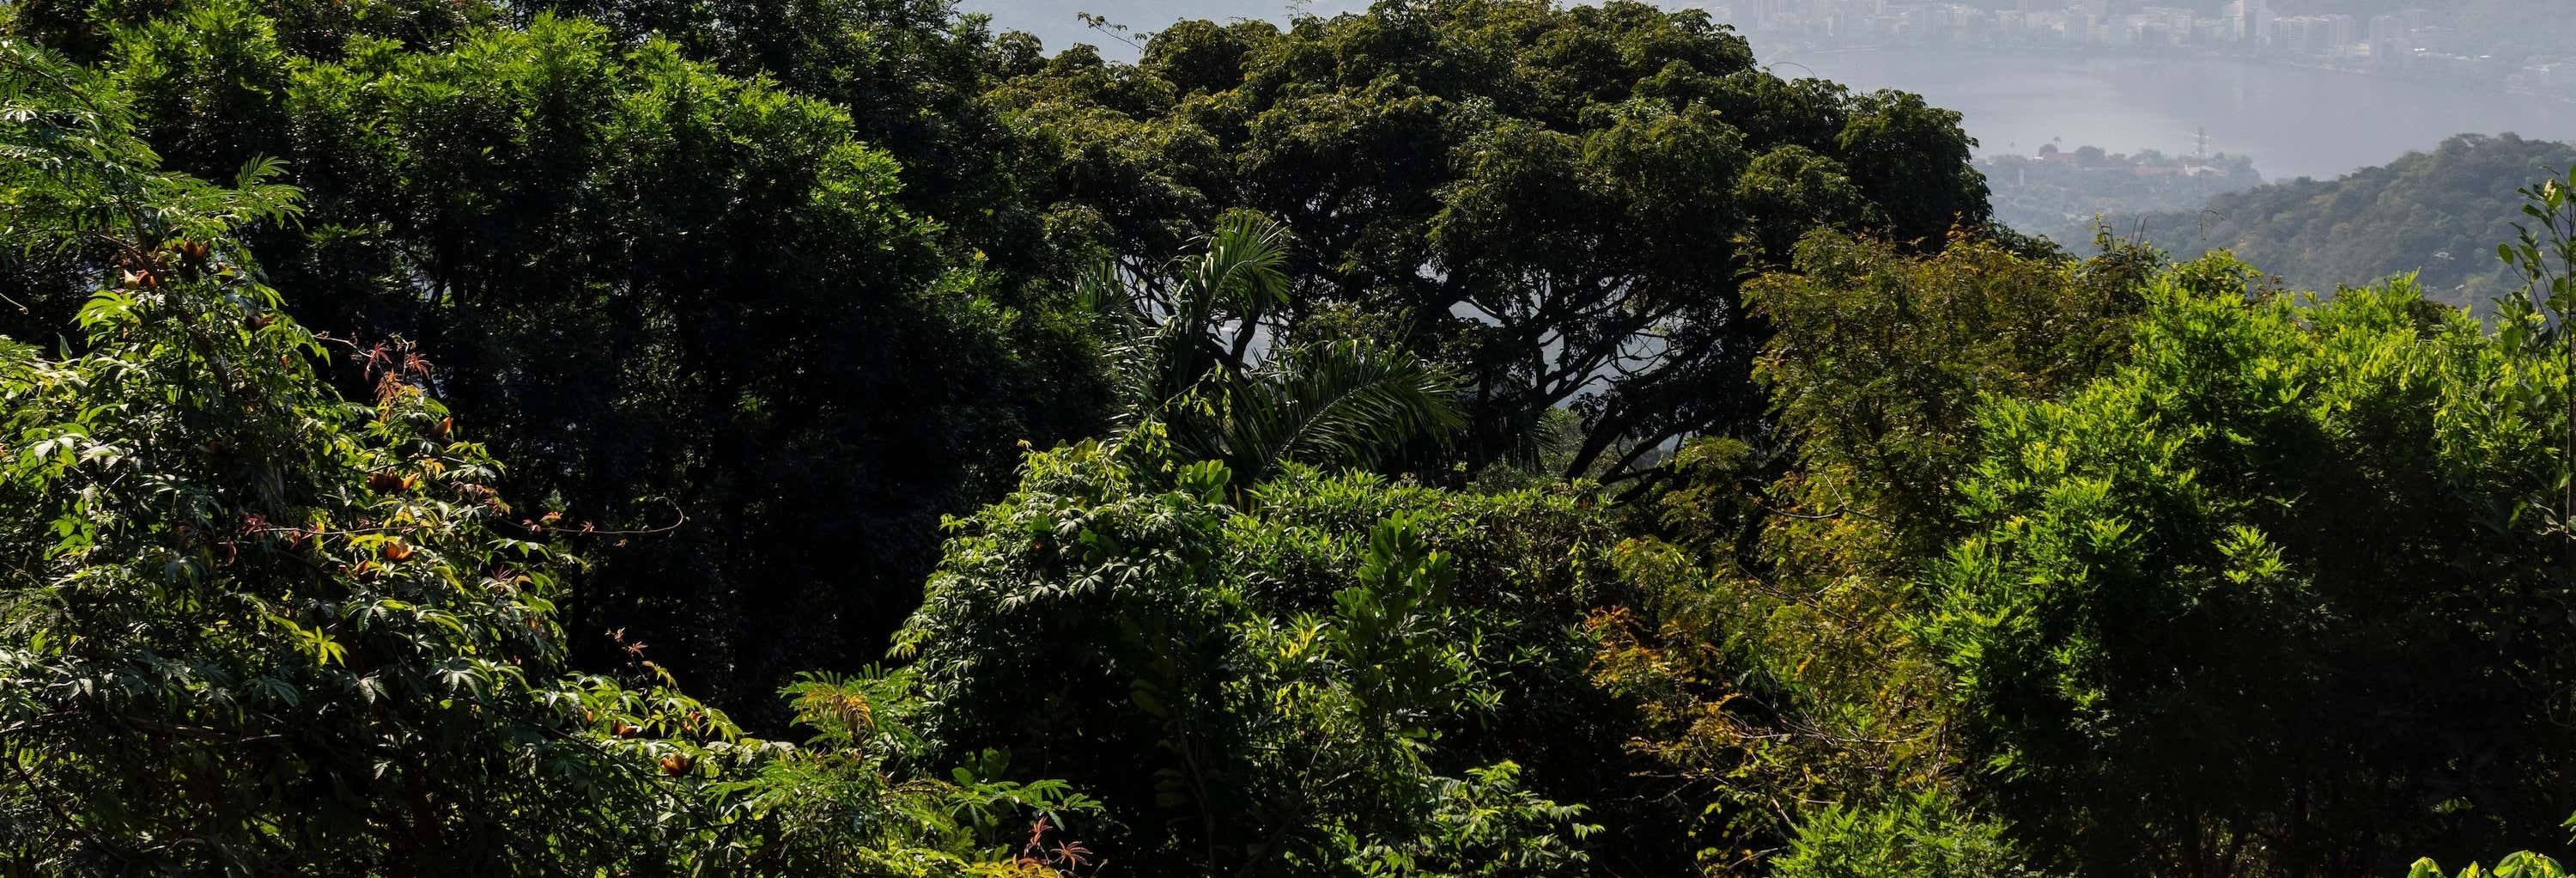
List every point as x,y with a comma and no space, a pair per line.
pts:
1244,267
1163,357
1341,404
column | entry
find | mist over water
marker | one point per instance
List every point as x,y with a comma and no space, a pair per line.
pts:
2294,121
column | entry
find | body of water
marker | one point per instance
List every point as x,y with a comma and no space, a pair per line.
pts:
2294,121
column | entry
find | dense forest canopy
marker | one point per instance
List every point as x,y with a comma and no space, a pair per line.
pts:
1454,438
1557,203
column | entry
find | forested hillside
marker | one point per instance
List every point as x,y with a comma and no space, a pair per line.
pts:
2439,215
1461,438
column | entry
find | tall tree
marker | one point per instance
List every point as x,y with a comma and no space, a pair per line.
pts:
2266,599
912,76
1294,680
1772,629
690,295
1544,197
247,627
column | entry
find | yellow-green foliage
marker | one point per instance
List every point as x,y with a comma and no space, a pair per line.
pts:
2521,865
1772,641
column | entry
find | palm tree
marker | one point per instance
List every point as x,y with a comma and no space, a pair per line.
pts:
1192,353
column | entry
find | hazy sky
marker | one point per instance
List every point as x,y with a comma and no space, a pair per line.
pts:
1054,22
2294,121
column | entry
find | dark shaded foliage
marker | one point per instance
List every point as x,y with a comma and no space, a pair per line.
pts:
1557,201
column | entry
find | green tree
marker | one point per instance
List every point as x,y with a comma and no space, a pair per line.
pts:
2262,600
698,295
249,628
87,31
1299,685
2520,865
1923,835
912,76
694,296
1542,197
1770,635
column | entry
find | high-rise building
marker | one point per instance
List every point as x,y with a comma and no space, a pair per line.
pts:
2340,33
2300,35
2252,20
2324,36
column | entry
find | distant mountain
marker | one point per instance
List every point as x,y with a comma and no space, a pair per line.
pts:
2440,213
